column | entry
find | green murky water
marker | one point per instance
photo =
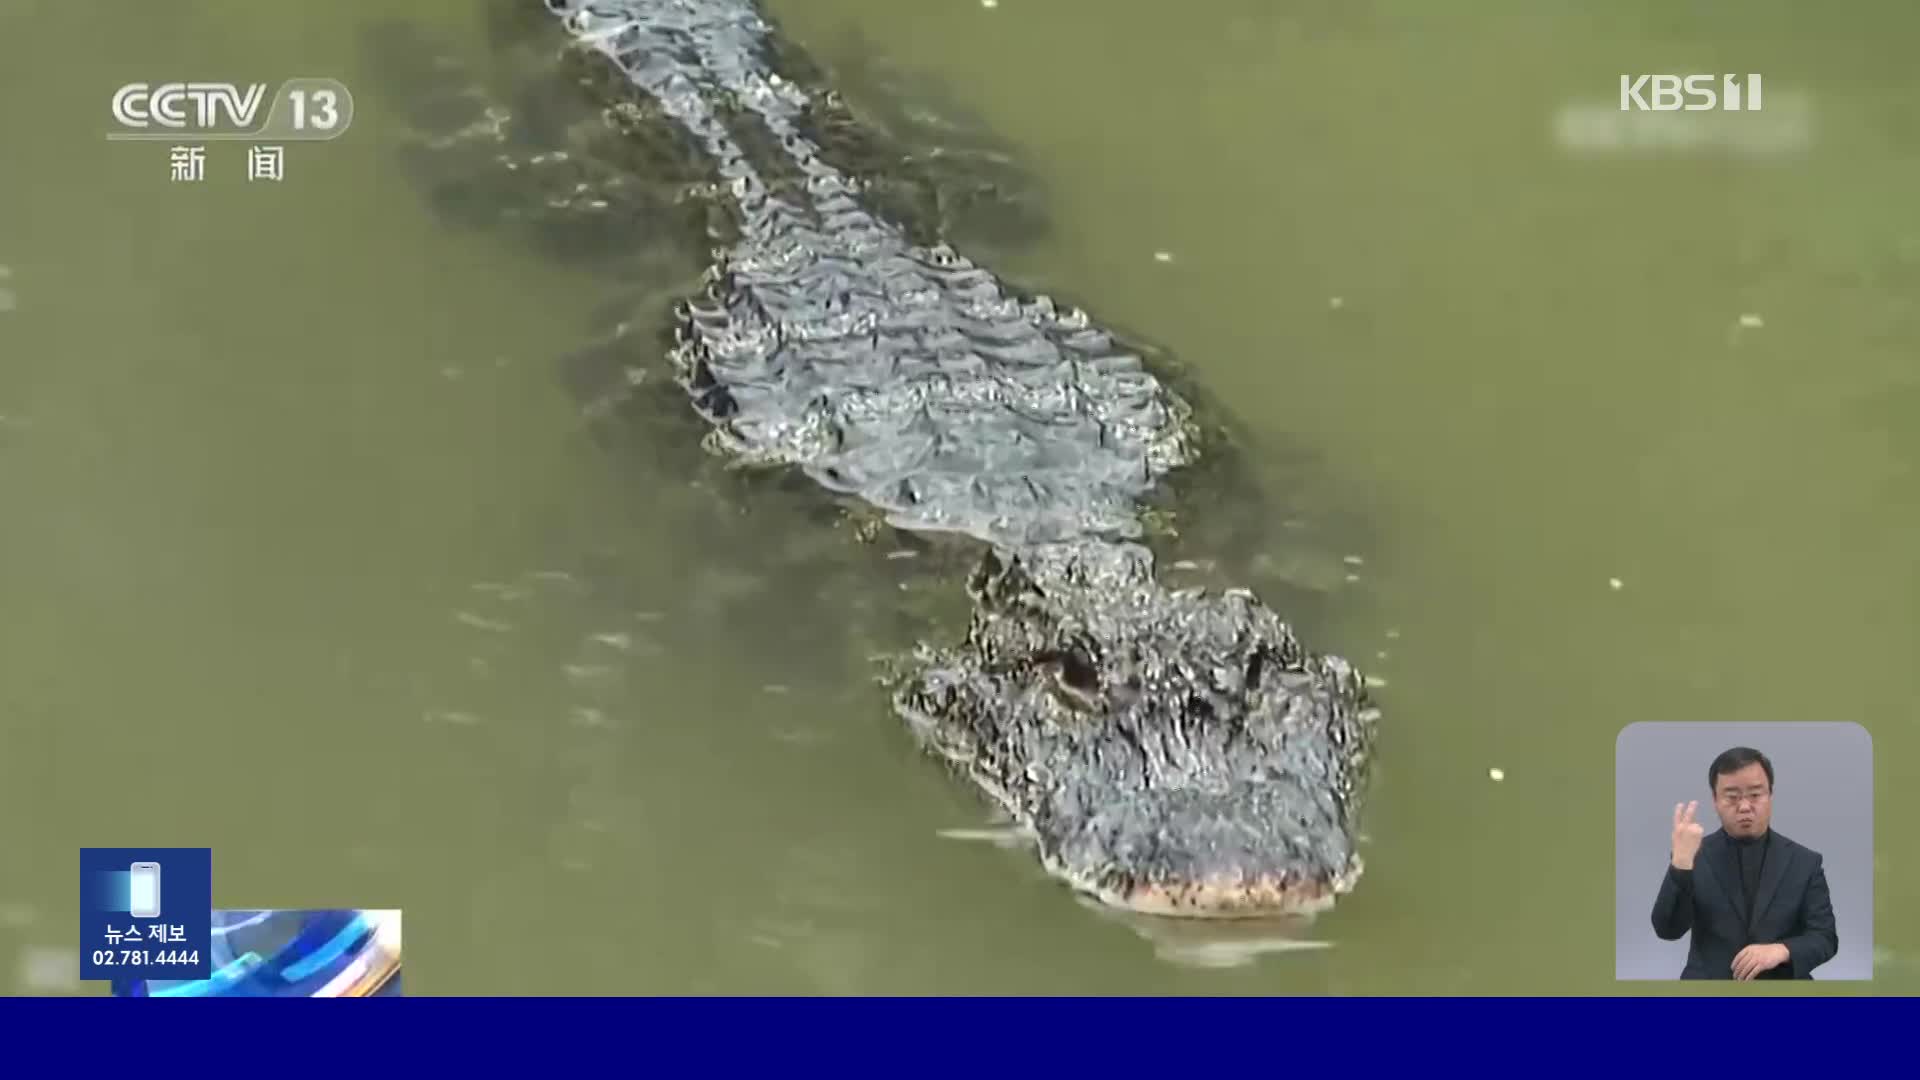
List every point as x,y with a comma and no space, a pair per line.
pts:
305,555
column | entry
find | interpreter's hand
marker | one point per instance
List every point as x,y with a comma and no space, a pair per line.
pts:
1754,959
1686,835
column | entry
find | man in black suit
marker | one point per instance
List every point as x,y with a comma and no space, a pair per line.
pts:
1757,902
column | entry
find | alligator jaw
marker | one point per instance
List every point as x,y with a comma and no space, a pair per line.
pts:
1231,898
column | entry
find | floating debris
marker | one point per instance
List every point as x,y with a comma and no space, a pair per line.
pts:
1007,836
1352,578
1375,681
1353,560
450,716
1751,322
1393,633
989,4
587,716
1496,775
614,639
1380,654
1616,584
775,688
587,673
1158,256
1336,302
481,622
903,553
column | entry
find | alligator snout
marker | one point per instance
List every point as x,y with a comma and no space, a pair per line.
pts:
1255,848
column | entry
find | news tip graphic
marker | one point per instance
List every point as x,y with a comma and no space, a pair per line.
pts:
188,114
322,952
146,913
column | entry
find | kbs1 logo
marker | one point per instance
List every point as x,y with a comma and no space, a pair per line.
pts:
1693,93
300,109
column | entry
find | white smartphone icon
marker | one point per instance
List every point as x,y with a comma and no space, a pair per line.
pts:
143,890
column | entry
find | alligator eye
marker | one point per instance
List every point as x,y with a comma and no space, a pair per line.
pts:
1255,668
1077,671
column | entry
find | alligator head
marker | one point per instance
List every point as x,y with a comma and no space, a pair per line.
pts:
1175,753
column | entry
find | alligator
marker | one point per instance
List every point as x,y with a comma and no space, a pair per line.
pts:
1170,751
